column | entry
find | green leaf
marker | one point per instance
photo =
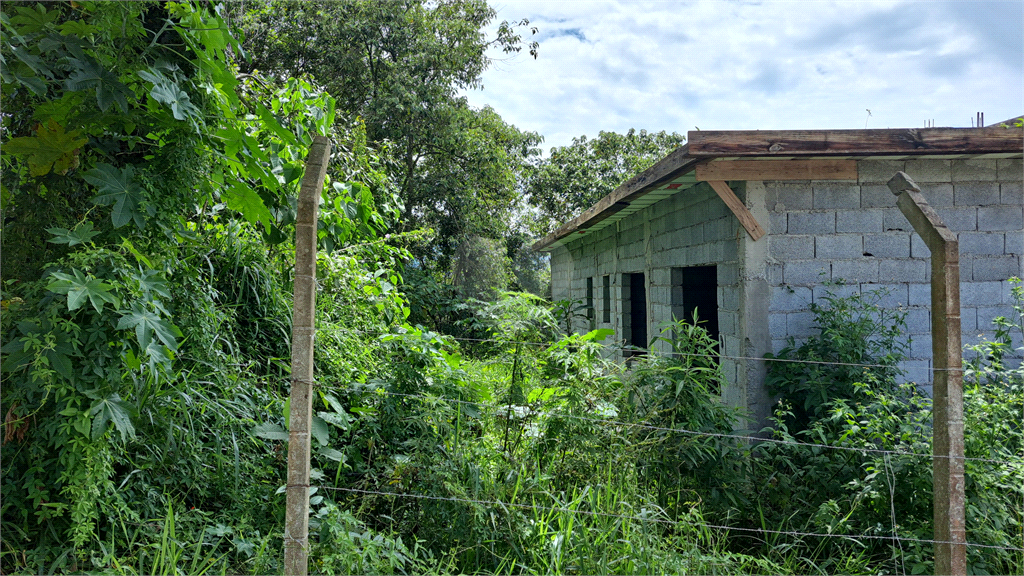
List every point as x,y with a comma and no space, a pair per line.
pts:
331,454
109,89
270,431
119,188
112,409
83,233
245,200
51,149
172,95
79,287
147,324
339,419
318,429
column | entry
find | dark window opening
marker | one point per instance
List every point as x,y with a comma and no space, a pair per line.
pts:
589,303
695,289
634,310
606,297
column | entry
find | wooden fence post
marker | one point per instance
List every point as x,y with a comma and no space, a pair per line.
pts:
947,386
296,527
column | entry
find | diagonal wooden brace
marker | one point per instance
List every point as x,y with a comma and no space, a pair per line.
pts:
738,208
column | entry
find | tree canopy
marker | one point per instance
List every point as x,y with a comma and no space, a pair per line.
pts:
576,176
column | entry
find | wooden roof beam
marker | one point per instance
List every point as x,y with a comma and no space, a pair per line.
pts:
704,144
777,170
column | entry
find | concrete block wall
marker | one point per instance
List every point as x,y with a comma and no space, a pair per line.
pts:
690,228
832,231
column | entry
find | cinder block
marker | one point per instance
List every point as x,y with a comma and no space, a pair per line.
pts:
872,171
1011,193
1014,243
981,293
921,294
1001,218
928,170
792,195
812,222
891,245
877,196
921,346
777,324
919,321
966,270
855,271
774,273
835,196
986,314
1010,170
995,268
888,295
728,322
960,218
791,247
903,271
937,194
976,193
728,274
858,221
805,272
729,297
800,324
823,293
974,170
839,246
893,219
918,372
982,243
968,318
776,223
720,229
788,299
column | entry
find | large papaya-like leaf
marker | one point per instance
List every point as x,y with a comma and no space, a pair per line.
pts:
50,149
119,188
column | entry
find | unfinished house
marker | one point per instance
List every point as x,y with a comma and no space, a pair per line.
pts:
749,227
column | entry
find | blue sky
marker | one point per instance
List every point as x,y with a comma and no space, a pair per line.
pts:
718,65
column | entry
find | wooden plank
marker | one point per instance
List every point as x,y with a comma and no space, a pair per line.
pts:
738,208
857,142
664,171
778,170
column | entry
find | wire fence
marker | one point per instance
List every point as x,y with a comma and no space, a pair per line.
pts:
655,514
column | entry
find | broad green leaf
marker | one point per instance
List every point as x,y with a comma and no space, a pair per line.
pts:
172,95
147,324
119,188
34,62
339,419
318,429
51,149
270,431
82,234
245,200
109,89
331,454
80,287
153,281
112,409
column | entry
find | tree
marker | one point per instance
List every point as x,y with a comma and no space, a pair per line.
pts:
401,65
574,177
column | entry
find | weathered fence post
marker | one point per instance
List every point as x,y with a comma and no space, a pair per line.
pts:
296,527
947,385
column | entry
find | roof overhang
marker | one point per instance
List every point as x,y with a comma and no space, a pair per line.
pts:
678,171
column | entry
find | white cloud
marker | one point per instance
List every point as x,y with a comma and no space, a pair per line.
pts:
616,65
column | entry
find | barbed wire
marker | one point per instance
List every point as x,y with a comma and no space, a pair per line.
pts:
507,505
743,437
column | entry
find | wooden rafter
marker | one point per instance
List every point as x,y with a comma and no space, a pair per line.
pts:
738,208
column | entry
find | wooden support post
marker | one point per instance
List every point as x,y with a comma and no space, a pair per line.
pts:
296,527
947,384
738,208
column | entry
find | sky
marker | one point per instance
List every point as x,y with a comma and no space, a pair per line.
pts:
750,65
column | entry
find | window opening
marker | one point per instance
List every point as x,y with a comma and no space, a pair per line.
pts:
606,300
634,308
696,289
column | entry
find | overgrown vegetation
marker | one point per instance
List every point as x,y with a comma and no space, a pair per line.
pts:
148,209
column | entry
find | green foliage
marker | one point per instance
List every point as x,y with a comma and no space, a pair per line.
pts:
576,176
854,330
